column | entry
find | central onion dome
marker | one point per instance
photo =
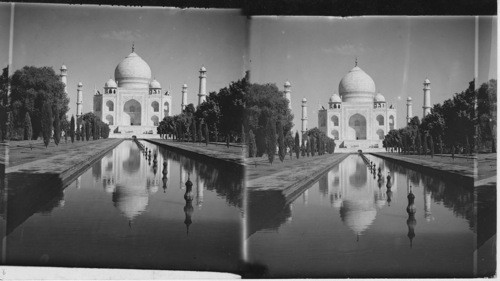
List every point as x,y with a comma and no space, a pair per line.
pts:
133,72
357,86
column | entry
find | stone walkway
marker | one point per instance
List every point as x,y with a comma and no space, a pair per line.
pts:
66,163
232,154
458,171
290,180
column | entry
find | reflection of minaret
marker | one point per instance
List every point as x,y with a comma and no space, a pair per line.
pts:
411,210
305,197
427,204
199,192
182,176
78,182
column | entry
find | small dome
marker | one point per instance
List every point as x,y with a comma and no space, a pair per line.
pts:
287,84
304,100
335,98
427,81
63,67
409,99
357,86
379,98
203,68
110,84
184,86
154,84
133,72
80,84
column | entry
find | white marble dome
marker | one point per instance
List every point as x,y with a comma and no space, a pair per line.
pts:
154,84
379,98
357,86
110,84
335,98
133,72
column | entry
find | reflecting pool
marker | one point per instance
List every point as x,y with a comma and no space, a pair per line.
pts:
355,223
127,212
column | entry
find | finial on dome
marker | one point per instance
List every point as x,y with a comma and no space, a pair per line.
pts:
133,47
356,62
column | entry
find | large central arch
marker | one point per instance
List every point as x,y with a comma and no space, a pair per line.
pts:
132,110
357,124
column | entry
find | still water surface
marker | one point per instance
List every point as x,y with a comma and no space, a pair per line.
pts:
350,224
122,212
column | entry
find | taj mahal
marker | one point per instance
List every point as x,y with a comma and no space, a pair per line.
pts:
357,116
133,103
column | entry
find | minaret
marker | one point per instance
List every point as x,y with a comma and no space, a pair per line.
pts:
184,97
409,110
202,95
427,98
287,94
64,75
79,101
304,115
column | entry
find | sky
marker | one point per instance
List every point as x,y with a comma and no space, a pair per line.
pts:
92,40
314,53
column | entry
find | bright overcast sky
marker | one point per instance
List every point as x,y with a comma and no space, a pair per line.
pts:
314,53
92,40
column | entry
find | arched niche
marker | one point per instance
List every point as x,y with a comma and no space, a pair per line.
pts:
335,120
380,120
110,120
132,110
156,106
357,125
110,105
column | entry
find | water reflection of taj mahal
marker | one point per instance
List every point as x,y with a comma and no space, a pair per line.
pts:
358,194
132,178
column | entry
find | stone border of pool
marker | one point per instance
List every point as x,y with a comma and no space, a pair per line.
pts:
225,158
455,173
65,176
292,182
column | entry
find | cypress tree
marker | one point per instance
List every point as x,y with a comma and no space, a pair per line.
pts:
200,132
271,140
313,145
281,142
72,129
252,146
303,149
432,146
10,126
193,130
216,134
87,131
243,136
425,144
297,144
207,137
28,130
57,127
46,123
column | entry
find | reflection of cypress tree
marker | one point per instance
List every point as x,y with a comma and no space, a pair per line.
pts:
411,222
188,208
225,179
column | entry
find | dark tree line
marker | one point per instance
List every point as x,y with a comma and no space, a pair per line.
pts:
456,126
